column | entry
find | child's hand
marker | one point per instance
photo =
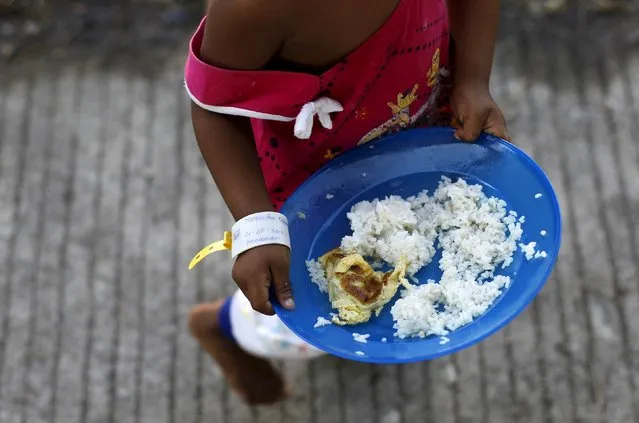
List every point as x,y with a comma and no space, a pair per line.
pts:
257,269
476,112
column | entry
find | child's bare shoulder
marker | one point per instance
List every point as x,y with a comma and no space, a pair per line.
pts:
246,34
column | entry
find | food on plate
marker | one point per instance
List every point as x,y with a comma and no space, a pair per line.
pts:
355,290
361,337
321,321
477,237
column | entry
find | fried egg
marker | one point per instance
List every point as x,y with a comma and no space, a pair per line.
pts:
357,291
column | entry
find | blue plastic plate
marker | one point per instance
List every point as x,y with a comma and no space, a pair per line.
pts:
405,164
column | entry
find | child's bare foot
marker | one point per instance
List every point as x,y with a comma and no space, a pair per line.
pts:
253,378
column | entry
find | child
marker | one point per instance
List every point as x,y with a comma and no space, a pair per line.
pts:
279,88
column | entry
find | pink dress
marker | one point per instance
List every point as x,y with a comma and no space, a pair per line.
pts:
396,79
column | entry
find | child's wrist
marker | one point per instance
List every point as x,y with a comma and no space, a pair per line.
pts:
242,209
469,81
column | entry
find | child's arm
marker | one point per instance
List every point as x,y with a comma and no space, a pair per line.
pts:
243,34
474,26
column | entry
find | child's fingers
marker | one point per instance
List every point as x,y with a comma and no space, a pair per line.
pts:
499,131
254,281
282,284
496,125
471,127
259,298
264,307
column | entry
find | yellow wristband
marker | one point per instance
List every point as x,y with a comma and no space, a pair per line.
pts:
225,244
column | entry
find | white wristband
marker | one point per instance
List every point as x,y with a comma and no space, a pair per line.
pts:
255,230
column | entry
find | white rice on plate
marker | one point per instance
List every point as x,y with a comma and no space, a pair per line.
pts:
318,276
321,321
361,337
529,250
541,254
388,229
477,236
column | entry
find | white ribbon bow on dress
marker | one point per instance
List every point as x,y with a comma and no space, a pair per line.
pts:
322,107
